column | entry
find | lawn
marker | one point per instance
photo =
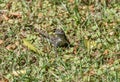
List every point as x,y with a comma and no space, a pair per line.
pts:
92,27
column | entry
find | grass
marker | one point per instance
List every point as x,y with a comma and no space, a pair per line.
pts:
92,27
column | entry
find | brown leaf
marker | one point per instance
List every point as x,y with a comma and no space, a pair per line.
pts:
91,72
5,17
40,15
106,52
29,0
16,15
60,14
11,47
91,7
75,49
71,1
17,43
9,5
3,79
1,41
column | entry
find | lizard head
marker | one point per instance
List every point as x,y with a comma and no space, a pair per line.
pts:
59,31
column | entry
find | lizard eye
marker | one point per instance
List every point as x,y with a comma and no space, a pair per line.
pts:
54,29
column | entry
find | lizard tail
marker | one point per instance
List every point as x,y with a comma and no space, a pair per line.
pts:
42,33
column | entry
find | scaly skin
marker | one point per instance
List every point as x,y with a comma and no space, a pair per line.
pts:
60,40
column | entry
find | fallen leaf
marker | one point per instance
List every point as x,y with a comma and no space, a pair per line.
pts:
3,79
1,41
5,17
17,43
75,49
16,15
40,15
28,0
9,5
91,72
31,46
11,47
106,52
91,7
71,1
